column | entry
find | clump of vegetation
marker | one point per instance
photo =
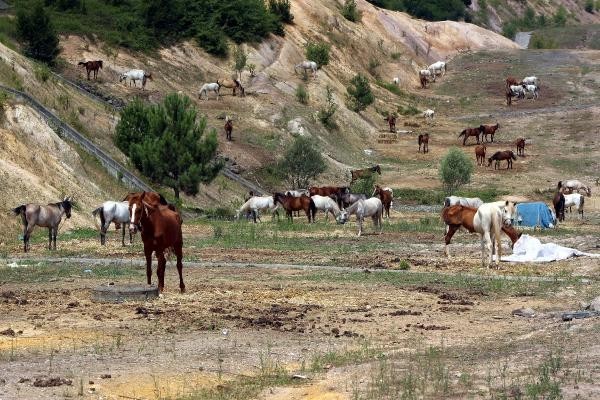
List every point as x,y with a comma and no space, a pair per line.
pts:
301,163
455,170
350,11
326,114
408,110
240,59
359,93
373,65
531,21
539,41
364,184
150,135
301,94
36,31
42,72
282,9
432,10
318,52
590,6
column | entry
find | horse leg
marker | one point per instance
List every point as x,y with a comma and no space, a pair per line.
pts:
54,234
28,228
49,238
160,270
451,230
179,254
123,235
148,254
359,222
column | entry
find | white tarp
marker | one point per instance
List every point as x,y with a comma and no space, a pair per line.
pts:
530,249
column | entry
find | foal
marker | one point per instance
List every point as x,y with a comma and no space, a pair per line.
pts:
520,147
424,140
228,128
480,154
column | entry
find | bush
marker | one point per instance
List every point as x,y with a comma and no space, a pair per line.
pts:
35,30
364,185
455,170
539,41
408,110
301,94
318,52
350,11
560,17
509,30
240,59
41,72
325,115
359,93
301,163
281,8
213,40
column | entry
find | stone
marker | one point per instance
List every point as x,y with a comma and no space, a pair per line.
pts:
524,312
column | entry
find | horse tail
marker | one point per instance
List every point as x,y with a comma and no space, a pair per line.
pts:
99,210
559,185
445,67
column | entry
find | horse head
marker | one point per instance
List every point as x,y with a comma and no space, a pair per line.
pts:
67,205
509,211
84,63
148,76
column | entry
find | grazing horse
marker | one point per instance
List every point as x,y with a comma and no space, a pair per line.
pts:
327,205
112,211
361,173
391,120
531,80
255,204
428,114
365,208
438,68
386,195
531,91
91,66
520,143
350,198
291,203
575,199
209,87
576,185
457,216
480,154
233,84
331,191
514,91
467,132
488,130
160,228
307,65
228,128
559,203
48,216
498,156
426,74
424,140
135,75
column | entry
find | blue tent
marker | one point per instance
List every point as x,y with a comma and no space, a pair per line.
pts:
537,215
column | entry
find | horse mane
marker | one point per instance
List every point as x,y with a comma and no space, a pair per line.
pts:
82,63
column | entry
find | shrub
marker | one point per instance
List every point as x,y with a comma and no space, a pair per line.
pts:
509,30
350,11
302,94
542,42
41,72
359,93
455,170
560,17
240,59
408,110
301,163
589,6
318,52
326,114
213,40
281,8
364,185
35,30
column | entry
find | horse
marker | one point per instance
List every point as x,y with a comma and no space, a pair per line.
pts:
291,203
234,84
531,91
576,185
558,201
331,191
423,80
424,140
255,204
438,68
514,91
488,130
361,173
351,198
91,66
48,216
511,81
228,128
135,75
152,198
520,143
531,80
575,199
386,195
391,120
473,202
467,132
458,215
112,211
424,77
160,229
209,87
428,114
365,208
480,154
304,65
498,156
327,205
396,80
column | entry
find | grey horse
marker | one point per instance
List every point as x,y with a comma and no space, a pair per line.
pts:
48,216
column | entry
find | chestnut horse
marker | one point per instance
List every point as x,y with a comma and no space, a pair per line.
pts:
511,81
498,156
360,173
291,203
488,130
480,154
424,140
391,120
386,195
470,132
228,128
160,228
520,147
91,66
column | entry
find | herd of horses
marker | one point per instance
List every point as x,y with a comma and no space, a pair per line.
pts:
568,195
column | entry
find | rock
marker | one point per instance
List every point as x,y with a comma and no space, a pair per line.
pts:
8,332
51,382
105,376
595,304
524,312
295,126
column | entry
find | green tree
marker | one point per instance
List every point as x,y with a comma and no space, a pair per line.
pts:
35,30
560,17
212,39
455,170
364,185
240,59
359,93
318,52
245,20
301,163
281,8
326,114
350,11
174,150
133,126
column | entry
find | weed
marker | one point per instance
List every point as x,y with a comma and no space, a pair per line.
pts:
42,72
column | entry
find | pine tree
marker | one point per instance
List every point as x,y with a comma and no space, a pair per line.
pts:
359,93
35,29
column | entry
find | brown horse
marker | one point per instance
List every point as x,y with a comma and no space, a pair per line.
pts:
160,228
91,66
498,156
152,198
424,81
48,216
470,132
291,203
233,84
336,192
512,81
228,128
520,147
391,120
424,140
488,130
456,216
386,196
361,173
559,202
480,154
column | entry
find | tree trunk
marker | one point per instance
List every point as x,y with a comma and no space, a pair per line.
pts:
176,190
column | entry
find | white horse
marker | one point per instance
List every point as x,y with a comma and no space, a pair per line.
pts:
531,80
327,205
427,74
488,221
531,91
428,114
575,199
396,81
364,208
209,87
304,65
518,91
298,192
256,204
574,185
112,211
473,202
135,75
438,68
